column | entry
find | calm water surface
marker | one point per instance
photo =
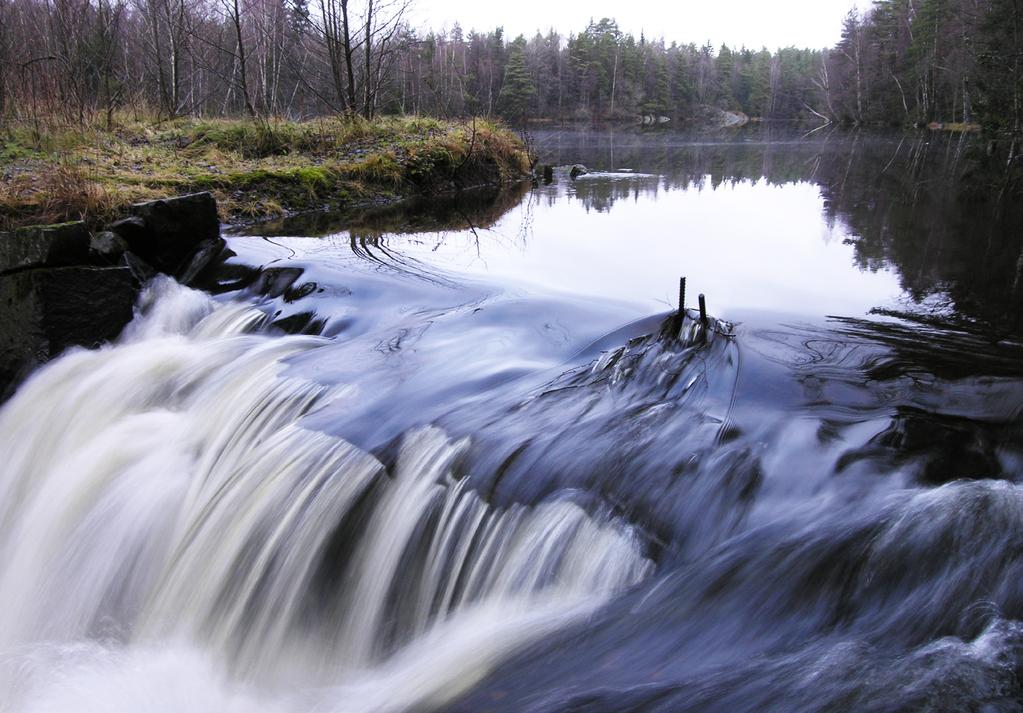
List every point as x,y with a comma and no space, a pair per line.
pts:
826,224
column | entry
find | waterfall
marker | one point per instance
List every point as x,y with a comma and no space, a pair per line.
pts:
172,536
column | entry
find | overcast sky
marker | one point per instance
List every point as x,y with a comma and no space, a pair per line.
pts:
772,23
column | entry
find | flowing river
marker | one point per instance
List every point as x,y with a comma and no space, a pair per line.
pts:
464,454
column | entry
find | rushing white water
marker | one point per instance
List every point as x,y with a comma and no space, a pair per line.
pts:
172,538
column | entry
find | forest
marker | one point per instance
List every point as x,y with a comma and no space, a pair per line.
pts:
902,62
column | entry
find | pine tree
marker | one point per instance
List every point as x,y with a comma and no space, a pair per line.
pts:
723,68
759,79
518,89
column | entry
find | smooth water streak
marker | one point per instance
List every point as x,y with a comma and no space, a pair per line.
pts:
165,513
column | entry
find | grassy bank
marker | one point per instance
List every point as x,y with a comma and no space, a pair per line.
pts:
255,170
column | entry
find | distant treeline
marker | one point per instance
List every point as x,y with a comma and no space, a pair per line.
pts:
902,62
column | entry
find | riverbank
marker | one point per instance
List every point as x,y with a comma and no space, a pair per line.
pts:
256,171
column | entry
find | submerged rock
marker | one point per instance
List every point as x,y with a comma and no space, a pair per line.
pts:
578,170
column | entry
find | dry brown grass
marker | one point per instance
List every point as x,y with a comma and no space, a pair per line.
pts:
55,195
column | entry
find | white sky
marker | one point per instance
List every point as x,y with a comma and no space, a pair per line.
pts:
771,23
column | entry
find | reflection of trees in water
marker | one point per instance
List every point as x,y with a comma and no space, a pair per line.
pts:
924,204
599,193
468,210
930,210
432,221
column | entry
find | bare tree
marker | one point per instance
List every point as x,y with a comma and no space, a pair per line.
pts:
384,22
335,32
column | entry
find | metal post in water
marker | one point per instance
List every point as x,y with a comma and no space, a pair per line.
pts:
703,310
682,297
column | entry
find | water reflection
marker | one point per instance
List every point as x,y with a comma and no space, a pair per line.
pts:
924,206
468,210
843,223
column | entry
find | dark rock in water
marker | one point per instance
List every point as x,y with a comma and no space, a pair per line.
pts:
578,170
222,274
44,246
275,281
167,233
45,311
300,323
141,269
204,260
108,247
297,292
